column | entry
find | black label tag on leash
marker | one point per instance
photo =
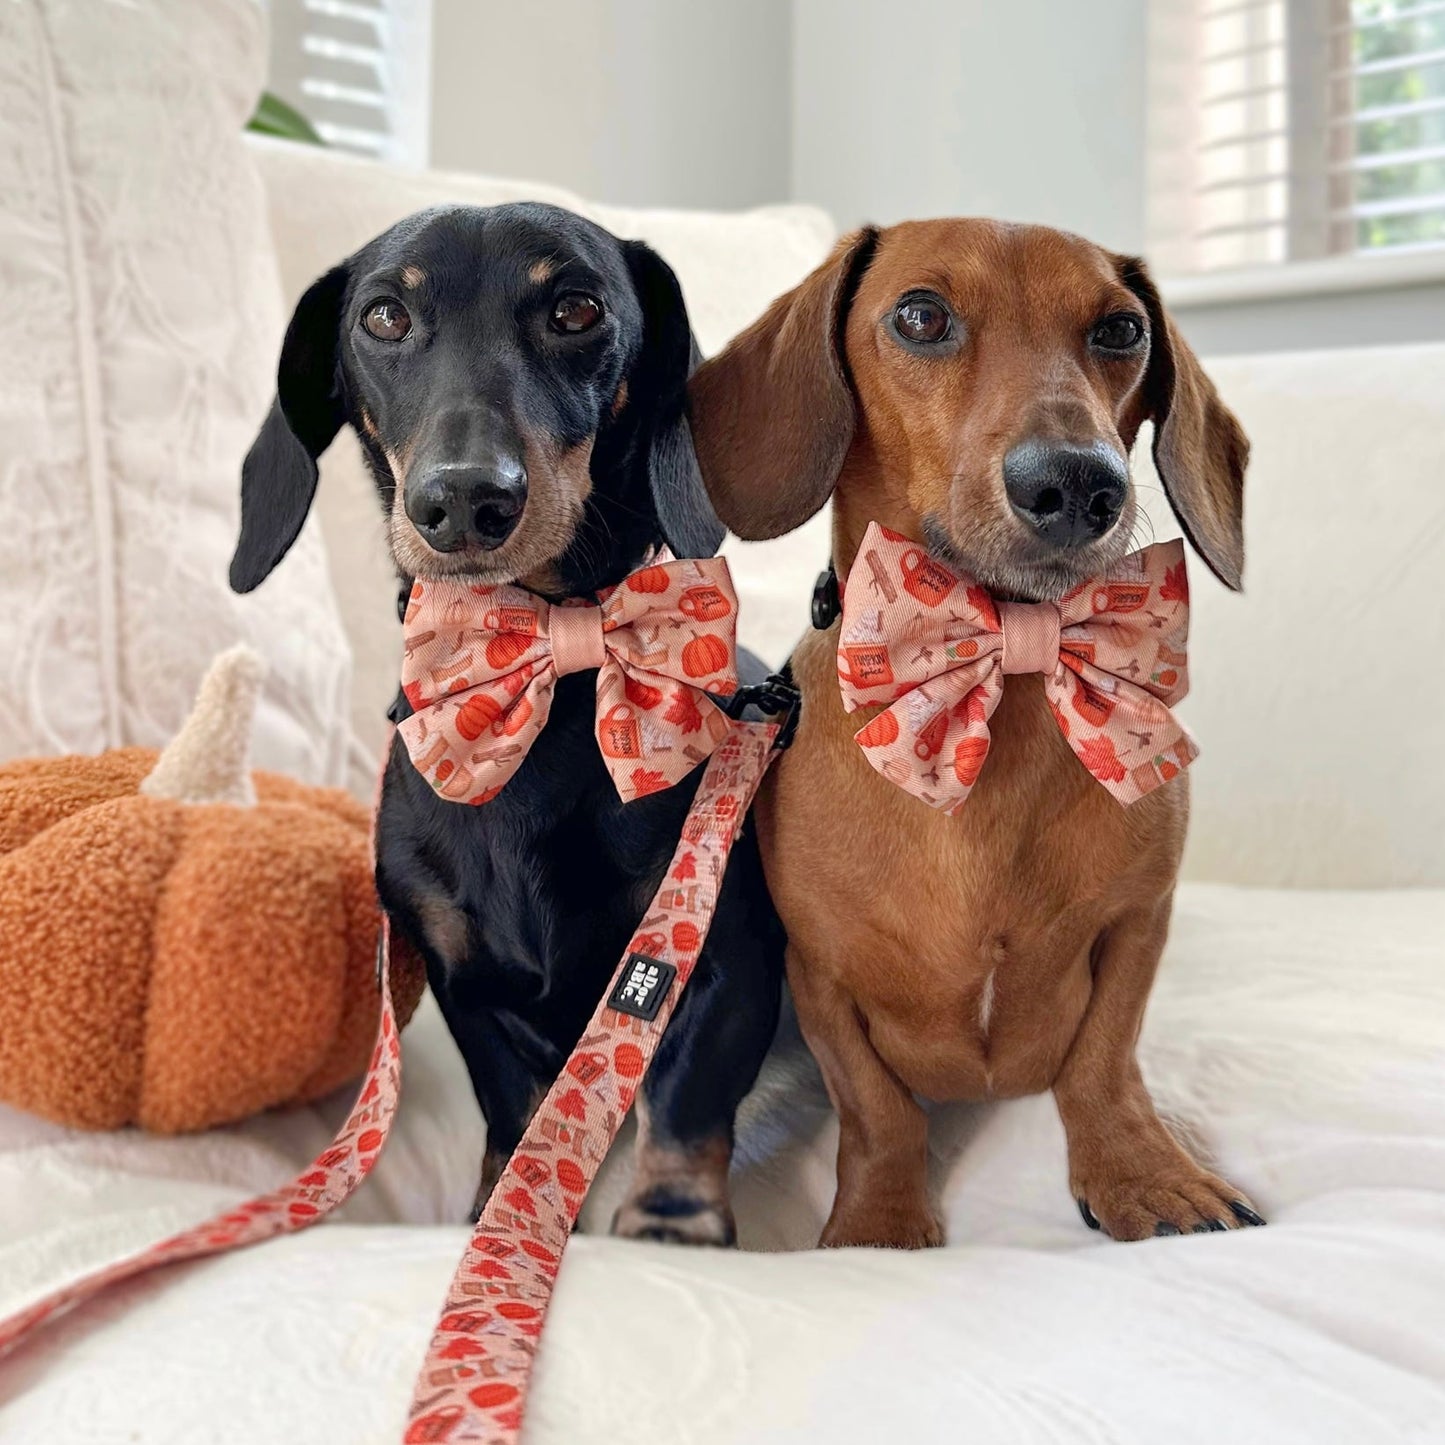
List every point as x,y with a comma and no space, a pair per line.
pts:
642,987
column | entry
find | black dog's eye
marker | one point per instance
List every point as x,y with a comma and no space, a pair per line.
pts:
387,320
1121,332
575,311
922,318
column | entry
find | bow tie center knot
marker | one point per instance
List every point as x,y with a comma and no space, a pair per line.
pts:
1030,636
577,641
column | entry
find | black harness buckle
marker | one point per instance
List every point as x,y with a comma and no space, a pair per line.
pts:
776,697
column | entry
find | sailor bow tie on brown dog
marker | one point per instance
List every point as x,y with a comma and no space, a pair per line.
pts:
936,647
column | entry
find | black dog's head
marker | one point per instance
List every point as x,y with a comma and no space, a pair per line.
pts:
517,377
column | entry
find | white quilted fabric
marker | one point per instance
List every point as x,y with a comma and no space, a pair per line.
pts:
142,308
1297,1036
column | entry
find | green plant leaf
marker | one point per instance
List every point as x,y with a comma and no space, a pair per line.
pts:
274,117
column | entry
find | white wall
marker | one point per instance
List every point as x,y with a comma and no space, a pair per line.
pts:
636,102
1030,110
1033,110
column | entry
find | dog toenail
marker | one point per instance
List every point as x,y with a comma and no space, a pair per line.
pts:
1245,1214
1088,1214
1164,1227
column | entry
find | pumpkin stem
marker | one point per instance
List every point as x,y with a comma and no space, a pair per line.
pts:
208,761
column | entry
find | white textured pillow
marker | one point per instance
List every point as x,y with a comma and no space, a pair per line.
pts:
324,205
135,245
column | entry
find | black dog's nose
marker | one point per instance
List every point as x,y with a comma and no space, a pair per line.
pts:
476,506
1069,494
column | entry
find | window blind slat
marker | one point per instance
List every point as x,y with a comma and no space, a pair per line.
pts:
359,70
1295,128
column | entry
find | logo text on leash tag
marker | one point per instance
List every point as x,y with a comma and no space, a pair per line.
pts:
642,987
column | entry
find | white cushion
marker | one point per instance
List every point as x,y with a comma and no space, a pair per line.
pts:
1319,694
143,306
1294,1036
324,205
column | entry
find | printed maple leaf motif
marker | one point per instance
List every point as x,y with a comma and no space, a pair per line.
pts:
572,1105
647,780
971,709
982,603
686,868
1098,755
490,1269
682,709
1175,587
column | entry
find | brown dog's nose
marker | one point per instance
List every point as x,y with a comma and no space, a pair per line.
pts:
1069,494
467,506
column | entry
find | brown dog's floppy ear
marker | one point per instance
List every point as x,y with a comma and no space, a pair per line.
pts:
1200,449
773,412
278,477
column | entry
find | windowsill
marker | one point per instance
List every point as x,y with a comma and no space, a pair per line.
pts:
1306,278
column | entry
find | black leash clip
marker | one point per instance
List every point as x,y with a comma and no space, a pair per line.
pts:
776,696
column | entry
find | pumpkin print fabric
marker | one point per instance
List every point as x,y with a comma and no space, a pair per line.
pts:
481,665
935,647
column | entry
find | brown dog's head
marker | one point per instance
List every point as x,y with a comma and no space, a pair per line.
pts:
979,385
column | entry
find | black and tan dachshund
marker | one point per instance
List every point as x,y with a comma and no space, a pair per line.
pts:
517,378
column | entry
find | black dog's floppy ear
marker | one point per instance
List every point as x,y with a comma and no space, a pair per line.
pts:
773,413
657,397
1200,449
278,477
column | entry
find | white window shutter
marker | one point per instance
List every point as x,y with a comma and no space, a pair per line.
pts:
359,70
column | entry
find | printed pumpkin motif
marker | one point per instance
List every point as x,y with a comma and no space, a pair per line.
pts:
705,655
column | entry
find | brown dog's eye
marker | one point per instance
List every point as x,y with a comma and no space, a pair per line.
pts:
387,320
575,311
1122,332
922,319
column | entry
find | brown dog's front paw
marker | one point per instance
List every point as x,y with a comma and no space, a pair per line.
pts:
1175,1197
676,1217
896,1227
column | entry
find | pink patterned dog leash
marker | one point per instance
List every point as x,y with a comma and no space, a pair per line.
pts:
473,1381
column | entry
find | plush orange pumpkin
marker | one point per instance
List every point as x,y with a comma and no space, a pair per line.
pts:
184,943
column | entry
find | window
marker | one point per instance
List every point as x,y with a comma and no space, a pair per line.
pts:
1294,130
359,70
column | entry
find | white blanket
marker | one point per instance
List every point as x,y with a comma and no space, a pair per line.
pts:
1299,1038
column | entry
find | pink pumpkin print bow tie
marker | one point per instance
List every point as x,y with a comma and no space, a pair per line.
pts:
937,648
481,664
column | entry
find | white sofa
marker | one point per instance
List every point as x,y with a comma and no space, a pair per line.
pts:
1297,1036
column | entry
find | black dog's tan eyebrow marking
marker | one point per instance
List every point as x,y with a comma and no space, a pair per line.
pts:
542,271
412,277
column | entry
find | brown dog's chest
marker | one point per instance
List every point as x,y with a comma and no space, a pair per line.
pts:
964,942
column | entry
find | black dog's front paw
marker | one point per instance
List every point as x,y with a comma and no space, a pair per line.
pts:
492,1166
674,1216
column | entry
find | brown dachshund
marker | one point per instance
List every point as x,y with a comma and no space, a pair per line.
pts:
976,387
